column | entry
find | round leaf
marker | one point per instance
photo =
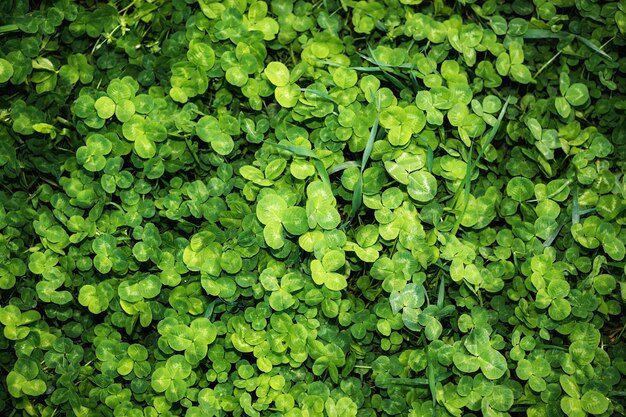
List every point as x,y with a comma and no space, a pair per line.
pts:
594,402
422,186
6,70
105,107
295,221
271,208
277,73
202,55
577,94
520,189
288,95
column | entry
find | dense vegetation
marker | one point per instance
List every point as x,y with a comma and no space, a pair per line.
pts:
331,208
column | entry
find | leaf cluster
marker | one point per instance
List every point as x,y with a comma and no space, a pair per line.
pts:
327,208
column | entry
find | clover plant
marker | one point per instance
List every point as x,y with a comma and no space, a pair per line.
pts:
312,208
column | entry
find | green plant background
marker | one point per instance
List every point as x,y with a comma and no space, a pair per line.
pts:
328,208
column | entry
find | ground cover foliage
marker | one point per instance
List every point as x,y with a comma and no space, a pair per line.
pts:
328,208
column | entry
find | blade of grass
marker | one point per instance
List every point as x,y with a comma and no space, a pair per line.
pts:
362,69
471,165
305,152
9,28
548,242
395,81
575,207
442,291
382,65
341,167
388,72
370,143
357,200
429,153
593,47
391,78
462,190
432,384
320,94
548,346
209,309
321,170
296,150
548,34
587,211
357,195
413,382
561,188
366,69
494,130
416,85
547,64
545,34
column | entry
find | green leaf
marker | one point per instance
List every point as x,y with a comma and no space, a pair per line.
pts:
124,110
161,379
96,298
201,54
17,385
614,247
287,95
105,107
466,363
493,364
277,73
271,208
294,220
577,94
422,186
236,76
345,77
572,407
594,402
281,300
144,147
520,189
6,70
521,73
335,282
562,106
274,235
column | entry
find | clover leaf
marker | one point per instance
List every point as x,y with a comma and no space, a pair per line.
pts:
6,70
320,208
108,255
535,372
96,297
277,73
141,287
22,380
93,155
167,248
171,377
422,186
209,129
481,355
577,94
15,321
144,133
331,280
